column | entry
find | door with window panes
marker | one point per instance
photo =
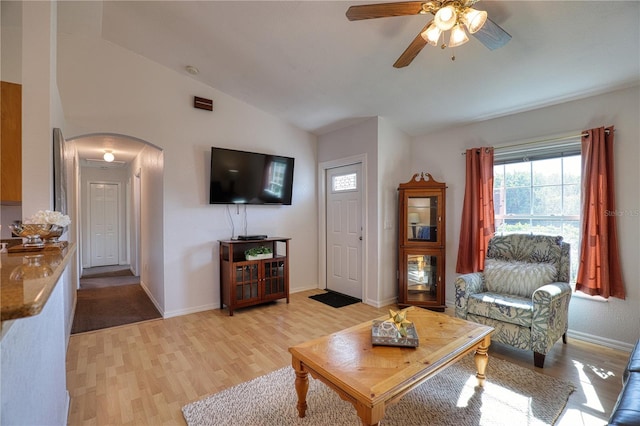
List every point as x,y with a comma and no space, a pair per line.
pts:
344,230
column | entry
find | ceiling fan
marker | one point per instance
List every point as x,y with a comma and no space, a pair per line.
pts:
456,16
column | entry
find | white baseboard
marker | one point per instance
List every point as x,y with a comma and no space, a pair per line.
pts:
602,341
67,407
299,290
153,299
208,307
380,304
180,312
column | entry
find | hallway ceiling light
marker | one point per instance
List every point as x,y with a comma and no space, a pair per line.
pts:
108,156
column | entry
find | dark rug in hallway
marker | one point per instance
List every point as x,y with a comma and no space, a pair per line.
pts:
105,307
107,277
334,299
89,273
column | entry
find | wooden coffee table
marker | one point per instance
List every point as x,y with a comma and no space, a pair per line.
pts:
374,377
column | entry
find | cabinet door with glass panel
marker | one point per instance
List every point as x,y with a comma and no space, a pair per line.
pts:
421,277
423,217
421,242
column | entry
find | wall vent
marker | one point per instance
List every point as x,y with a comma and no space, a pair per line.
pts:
203,103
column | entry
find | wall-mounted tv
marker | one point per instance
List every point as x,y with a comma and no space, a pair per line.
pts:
241,177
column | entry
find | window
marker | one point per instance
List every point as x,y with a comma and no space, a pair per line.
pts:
346,182
276,173
540,195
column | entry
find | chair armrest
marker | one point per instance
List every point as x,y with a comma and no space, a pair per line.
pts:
550,315
466,285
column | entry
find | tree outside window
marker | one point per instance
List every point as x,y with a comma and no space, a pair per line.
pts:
540,197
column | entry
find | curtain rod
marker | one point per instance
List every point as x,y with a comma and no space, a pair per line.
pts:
556,139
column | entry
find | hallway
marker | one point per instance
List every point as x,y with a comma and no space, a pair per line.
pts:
110,296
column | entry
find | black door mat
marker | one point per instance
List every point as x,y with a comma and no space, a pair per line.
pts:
336,300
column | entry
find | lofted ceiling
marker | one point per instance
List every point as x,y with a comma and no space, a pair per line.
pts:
304,62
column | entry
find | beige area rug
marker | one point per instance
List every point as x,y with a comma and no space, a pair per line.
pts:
512,395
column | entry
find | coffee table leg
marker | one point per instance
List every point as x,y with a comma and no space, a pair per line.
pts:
481,359
370,416
302,386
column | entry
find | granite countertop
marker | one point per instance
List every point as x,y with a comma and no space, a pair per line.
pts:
27,280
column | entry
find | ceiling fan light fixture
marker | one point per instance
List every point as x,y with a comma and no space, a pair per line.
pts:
458,36
108,156
432,34
457,16
474,19
446,18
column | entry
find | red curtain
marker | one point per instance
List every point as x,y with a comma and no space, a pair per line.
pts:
599,272
478,222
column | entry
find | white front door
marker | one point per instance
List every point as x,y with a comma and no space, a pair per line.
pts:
344,230
103,223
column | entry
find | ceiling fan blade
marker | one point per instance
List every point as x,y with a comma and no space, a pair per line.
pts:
492,35
383,10
412,51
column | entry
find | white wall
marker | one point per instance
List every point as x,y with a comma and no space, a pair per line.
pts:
33,374
616,322
393,168
105,88
150,162
32,350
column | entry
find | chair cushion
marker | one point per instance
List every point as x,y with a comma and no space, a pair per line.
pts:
517,278
502,307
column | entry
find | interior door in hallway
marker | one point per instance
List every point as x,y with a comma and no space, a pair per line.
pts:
344,230
103,223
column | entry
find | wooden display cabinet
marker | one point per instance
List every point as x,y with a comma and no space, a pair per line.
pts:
421,243
250,282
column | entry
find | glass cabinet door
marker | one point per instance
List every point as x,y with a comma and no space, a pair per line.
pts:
422,218
274,278
247,281
422,277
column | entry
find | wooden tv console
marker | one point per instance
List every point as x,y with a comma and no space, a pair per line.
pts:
250,282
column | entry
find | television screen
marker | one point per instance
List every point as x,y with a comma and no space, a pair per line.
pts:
240,177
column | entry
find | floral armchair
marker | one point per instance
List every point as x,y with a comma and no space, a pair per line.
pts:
523,292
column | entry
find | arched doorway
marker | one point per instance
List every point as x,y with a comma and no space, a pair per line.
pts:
112,228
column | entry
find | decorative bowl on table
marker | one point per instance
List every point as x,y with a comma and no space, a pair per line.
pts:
33,233
54,233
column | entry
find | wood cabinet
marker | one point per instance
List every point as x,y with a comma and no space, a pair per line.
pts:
11,143
250,282
421,242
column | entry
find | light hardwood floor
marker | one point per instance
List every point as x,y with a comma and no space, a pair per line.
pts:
142,374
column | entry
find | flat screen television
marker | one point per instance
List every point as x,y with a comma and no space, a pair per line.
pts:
241,177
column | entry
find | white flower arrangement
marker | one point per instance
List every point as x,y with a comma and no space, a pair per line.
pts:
50,217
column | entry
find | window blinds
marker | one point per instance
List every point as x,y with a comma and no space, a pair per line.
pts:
538,150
